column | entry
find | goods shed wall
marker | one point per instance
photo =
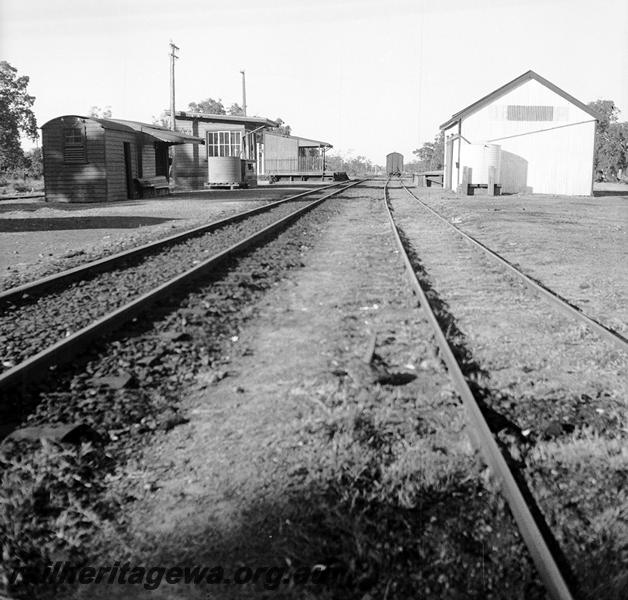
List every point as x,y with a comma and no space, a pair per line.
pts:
546,142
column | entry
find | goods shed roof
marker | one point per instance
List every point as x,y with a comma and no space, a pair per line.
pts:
504,89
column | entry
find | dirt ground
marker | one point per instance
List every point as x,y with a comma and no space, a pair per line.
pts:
575,245
36,235
297,417
293,407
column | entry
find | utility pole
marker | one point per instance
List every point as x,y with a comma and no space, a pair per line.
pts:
173,57
243,92
172,157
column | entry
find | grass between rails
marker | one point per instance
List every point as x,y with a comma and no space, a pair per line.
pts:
589,472
400,503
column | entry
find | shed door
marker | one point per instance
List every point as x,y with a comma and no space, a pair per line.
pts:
162,159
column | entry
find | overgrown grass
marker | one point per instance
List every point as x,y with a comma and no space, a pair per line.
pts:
590,472
399,504
53,507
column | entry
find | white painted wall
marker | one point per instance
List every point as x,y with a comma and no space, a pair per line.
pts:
546,157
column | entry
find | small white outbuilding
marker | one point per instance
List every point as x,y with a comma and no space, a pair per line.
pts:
539,138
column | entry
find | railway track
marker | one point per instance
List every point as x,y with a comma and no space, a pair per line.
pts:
61,315
141,349
509,429
562,304
450,523
89,269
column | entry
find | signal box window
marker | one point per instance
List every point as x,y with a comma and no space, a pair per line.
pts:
224,143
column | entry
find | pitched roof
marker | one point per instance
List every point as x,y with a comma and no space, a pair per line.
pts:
511,85
157,131
301,141
226,118
307,143
153,131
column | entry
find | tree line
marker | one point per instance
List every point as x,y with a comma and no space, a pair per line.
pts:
611,142
352,165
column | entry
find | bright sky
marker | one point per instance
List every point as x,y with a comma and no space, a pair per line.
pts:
368,76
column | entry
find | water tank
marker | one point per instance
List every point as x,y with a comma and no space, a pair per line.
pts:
493,155
473,157
224,170
480,157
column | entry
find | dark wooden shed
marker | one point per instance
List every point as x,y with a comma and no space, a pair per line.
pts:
98,160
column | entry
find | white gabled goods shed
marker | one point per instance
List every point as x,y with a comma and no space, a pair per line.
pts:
539,138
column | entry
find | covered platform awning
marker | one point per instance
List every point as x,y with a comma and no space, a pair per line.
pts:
160,134
251,122
307,143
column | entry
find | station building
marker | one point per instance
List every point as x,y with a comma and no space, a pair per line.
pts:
243,151
230,156
537,137
87,159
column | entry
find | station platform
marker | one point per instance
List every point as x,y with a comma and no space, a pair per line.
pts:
296,176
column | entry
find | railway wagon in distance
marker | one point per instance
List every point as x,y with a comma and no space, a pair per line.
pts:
394,164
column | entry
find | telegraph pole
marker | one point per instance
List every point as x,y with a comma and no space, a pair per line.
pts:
243,92
173,57
172,157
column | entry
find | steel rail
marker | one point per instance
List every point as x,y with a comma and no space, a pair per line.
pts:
22,197
109,262
483,439
64,350
561,303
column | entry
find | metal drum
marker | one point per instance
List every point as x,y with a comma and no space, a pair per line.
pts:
224,170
